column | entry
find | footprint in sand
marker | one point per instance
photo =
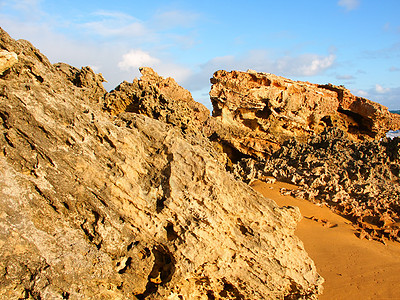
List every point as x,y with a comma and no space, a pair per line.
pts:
324,222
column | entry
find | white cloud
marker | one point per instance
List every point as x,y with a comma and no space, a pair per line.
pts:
115,24
349,4
389,52
361,93
389,97
221,62
301,65
26,5
109,29
113,14
183,41
305,65
111,56
262,61
178,72
27,9
136,58
381,90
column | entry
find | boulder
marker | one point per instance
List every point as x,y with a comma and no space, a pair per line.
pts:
164,100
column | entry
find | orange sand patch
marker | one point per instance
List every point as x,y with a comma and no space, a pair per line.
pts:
352,268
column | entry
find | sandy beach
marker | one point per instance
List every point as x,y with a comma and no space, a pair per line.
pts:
352,268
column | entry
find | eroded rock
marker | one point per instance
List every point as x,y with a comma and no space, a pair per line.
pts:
359,180
164,100
98,206
84,78
259,111
159,98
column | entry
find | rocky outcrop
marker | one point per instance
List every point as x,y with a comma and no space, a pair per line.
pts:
164,100
95,206
260,111
85,79
360,181
159,98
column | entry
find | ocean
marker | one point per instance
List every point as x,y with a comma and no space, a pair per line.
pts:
392,134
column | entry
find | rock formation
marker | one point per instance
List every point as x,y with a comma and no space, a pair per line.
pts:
96,206
360,181
158,98
259,111
164,100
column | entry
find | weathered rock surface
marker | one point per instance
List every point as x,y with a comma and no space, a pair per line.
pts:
360,181
7,60
164,100
159,98
95,206
259,111
86,79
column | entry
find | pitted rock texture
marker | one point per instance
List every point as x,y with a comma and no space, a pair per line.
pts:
259,111
95,206
159,98
164,100
360,181
86,79
7,60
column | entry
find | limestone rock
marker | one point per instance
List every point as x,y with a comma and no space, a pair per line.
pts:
259,111
7,60
84,78
94,206
164,100
158,98
359,180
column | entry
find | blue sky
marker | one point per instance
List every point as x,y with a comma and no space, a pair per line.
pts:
351,42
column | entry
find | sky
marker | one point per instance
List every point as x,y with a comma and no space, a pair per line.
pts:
355,43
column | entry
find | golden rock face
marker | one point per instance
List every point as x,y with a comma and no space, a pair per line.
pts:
113,206
271,109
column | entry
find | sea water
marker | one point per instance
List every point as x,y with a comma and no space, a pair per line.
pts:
392,134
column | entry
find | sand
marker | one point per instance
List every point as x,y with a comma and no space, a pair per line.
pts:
352,268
